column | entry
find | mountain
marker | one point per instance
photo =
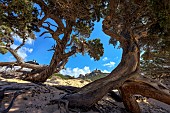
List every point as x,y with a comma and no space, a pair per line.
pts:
94,75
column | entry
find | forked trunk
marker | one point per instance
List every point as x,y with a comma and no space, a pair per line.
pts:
88,95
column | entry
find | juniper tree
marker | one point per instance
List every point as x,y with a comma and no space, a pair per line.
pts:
127,21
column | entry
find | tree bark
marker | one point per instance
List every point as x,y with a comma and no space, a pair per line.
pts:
88,95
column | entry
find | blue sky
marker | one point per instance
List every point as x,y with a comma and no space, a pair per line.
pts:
77,64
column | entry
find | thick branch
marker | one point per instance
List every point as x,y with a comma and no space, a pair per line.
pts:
57,20
14,53
69,54
42,20
32,66
61,65
7,63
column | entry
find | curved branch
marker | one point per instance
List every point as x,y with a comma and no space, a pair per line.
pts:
14,53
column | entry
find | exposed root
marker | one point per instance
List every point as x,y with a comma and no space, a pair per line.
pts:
2,95
143,87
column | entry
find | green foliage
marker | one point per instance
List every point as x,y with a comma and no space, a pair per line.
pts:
113,41
2,50
18,16
65,77
155,58
96,49
161,8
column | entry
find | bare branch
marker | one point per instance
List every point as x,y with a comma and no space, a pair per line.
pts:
42,20
48,37
66,55
50,24
22,44
43,33
71,41
48,28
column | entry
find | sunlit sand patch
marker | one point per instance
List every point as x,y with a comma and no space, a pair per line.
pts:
14,109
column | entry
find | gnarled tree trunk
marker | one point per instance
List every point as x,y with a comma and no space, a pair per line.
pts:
126,71
88,95
41,75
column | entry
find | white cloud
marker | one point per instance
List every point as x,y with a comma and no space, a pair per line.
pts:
105,59
28,41
75,71
92,59
22,52
105,71
110,64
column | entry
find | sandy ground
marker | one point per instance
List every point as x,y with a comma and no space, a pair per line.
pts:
37,98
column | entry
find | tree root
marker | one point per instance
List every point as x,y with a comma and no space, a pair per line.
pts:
2,95
130,88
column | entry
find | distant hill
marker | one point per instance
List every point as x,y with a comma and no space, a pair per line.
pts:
63,76
94,75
